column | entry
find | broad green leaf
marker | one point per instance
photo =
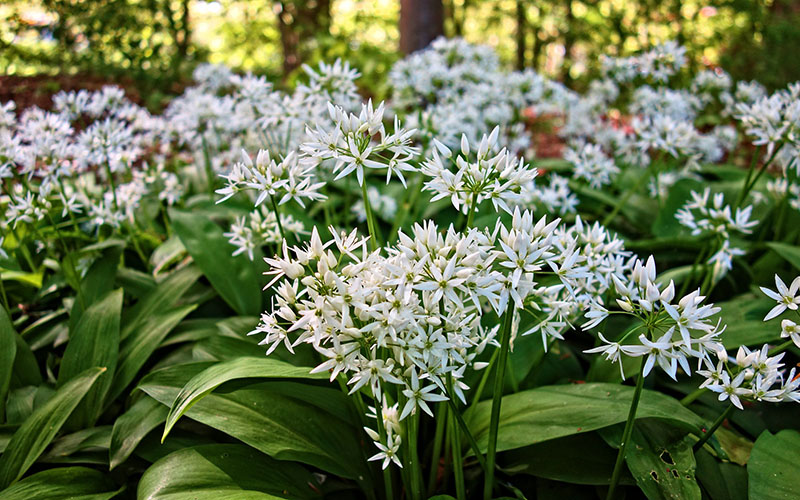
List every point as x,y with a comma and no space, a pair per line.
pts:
22,401
579,459
160,299
93,342
772,469
132,426
661,460
203,383
288,421
167,253
8,351
93,438
135,283
137,348
26,369
225,471
721,480
665,224
234,278
39,430
97,282
31,279
550,412
744,319
74,483
789,252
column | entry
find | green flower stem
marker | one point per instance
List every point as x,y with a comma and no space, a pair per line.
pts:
710,432
471,214
497,398
277,216
476,398
3,294
416,492
409,204
626,434
458,459
373,229
750,184
441,419
626,196
464,429
208,168
692,396
113,185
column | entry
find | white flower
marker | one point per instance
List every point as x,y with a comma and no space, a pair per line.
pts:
786,297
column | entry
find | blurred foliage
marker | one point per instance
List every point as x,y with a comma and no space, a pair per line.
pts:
157,42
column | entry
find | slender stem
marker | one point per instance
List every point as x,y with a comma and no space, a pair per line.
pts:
476,398
277,216
710,432
750,170
113,185
626,434
471,214
416,492
692,396
442,418
208,168
470,438
749,186
409,204
626,196
458,459
497,398
373,230
3,294
779,349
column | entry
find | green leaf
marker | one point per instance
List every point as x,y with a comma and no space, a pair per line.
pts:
579,459
721,480
550,412
159,299
789,252
288,421
225,471
665,224
93,438
132,426
203,383
661,460
772,469
8,351
26,369
137,348
744,317
74,483
37,431
93,342
97,282
234,278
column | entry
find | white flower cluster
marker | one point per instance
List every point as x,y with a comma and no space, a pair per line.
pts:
591,164
260,227
659,63
350,143
711,217
751,375
676,331
774,122
97,155
405,324
488,175
453,88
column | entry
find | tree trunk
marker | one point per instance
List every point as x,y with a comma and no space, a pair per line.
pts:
522,27
421,21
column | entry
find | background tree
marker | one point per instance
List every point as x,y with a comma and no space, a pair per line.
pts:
421,21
